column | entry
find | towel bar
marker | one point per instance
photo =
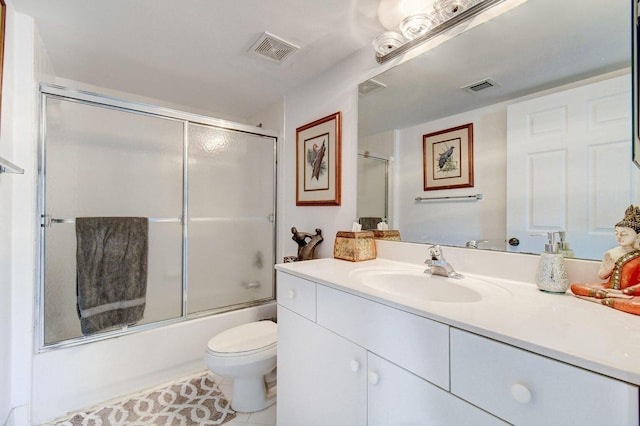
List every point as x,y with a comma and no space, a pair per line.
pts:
7,166
474,196
48,220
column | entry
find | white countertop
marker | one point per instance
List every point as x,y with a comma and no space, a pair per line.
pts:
562,327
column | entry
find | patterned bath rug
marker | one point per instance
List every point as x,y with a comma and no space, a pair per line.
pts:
196,400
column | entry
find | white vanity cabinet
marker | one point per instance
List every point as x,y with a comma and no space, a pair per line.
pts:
350,361
413,342
298,295
528,389
321,376
397,397
352,355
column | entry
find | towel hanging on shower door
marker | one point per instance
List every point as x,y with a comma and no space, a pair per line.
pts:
369,222
111,275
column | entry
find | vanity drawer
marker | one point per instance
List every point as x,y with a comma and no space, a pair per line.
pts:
297,294
528,389
416,344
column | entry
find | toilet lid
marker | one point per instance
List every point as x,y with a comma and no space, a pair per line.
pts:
245,337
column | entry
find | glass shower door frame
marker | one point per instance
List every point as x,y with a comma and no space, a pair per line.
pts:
44,221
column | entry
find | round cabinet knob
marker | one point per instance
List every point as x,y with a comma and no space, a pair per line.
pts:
520,393
514,242
292,294
374,378
355,365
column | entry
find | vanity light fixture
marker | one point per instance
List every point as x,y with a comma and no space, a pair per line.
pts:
410,23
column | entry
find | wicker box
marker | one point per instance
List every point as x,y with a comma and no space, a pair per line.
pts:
354,246
389,235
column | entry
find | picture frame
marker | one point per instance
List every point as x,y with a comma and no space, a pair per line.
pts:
448,158
318,160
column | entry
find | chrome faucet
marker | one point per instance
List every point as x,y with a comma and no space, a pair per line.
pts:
474,243
438,266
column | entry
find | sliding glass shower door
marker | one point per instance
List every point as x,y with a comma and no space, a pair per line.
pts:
108,162
231,221
208,192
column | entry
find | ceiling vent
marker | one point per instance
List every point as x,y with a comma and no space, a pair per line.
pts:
370,86
273,48
487,83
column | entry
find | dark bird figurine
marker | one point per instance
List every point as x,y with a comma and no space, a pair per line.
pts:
444,157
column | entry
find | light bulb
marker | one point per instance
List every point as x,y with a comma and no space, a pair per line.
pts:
416,25
411,7
447,9
387,41
392,12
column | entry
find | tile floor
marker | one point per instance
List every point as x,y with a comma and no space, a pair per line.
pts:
266,417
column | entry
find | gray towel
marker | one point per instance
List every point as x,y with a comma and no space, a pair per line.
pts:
369,222
111,255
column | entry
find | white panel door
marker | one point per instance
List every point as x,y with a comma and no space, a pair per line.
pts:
569,167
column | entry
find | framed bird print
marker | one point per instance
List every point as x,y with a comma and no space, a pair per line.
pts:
448,158
318,162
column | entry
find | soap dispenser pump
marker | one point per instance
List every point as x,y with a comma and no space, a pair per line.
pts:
551,275
563,245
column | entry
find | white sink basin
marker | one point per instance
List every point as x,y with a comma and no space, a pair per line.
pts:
415,284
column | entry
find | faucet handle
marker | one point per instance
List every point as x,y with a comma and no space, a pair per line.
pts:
475,243
436,252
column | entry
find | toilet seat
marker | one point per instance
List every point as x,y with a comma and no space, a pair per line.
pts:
244,339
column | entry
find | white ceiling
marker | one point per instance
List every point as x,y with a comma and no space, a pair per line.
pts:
194,52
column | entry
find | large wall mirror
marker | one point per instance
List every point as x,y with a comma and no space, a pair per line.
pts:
547,87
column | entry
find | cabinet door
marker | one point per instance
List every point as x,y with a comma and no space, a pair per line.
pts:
397,397
297,294
321,376
528,389
410,341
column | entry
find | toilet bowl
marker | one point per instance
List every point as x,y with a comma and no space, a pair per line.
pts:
247,354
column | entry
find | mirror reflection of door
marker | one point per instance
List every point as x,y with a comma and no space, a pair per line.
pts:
577,139
373,186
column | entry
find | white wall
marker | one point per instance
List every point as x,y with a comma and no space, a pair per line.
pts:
381,144
335,90
271,118
489,157
301,108
7,183
20,98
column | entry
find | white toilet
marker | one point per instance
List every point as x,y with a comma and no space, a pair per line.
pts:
247,354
